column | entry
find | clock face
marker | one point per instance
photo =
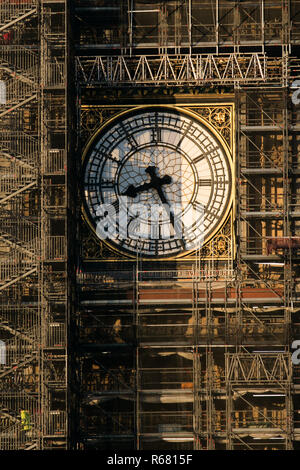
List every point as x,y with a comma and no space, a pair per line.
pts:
157,182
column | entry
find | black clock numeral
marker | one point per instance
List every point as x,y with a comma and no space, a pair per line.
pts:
129,137
133,227
156,131
111,157
204,155
118,162
198,206
185,133
107,184
132,141
199,158
156,134
116,205
100,155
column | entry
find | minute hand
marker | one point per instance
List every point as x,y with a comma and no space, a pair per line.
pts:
155,183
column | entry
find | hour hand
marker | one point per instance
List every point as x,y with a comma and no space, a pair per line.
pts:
133,191
155,180
155,183
130,191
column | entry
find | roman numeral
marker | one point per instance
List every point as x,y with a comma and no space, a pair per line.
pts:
156,131
107,184
116,205
132,226
156,134
130,138
184,134
198,206
199,158
99,155
114,159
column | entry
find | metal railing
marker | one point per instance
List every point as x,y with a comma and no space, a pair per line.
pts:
55,248
19,317
55,286
271,117
55,74
56,335
55,161
18,263
19,350
16,438
254,245
187,333
55,196
182,275
259,203
20,231
20,60
259,418
56,423
11,403
256,159
14,177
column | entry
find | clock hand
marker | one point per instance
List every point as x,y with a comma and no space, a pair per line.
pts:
162,195
156,180
133,191
171,215
155,183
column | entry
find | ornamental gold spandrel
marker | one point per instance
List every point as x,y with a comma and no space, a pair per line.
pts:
220,117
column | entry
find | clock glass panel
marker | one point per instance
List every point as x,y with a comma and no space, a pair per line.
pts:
156,181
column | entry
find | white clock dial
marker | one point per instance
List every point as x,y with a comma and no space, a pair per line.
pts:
172,172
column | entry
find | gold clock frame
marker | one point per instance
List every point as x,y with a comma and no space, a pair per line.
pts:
205,114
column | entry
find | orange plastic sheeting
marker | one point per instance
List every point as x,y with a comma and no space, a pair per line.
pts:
216,294
282,243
